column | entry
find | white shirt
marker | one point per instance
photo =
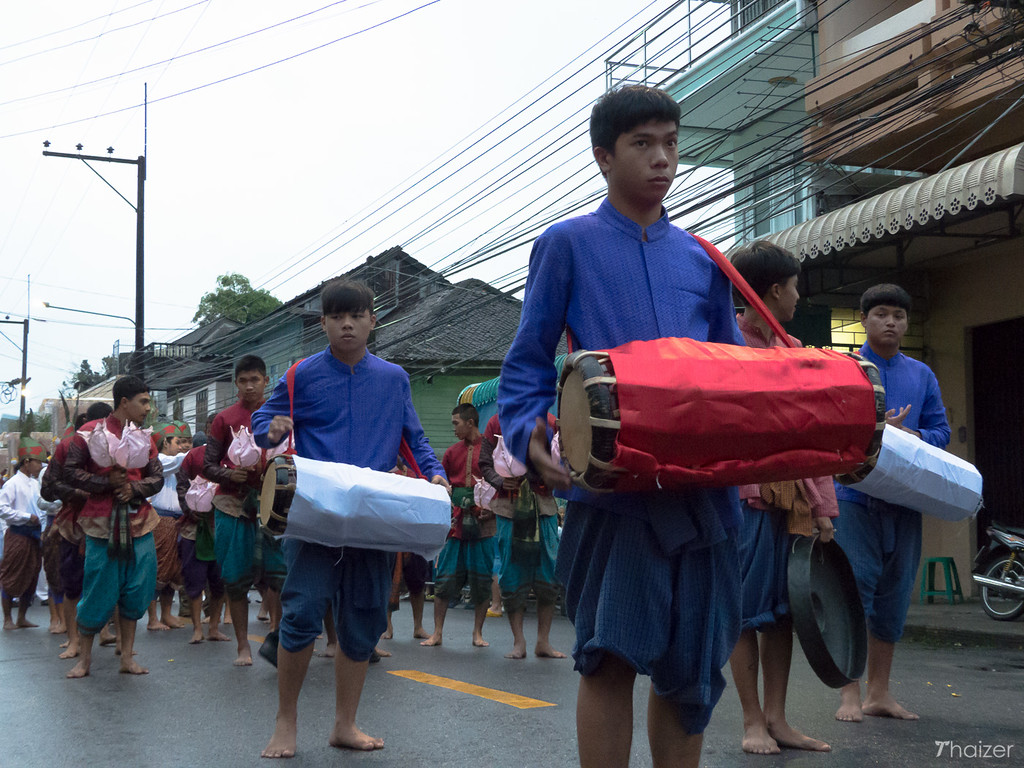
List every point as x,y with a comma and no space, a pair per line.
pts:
19,499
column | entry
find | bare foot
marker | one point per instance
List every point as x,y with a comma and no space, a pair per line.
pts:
117,652
757,740
132,667
25,624
420,633
172,622
849,712
353,738
388,635
197,637
330,651
65,644
887,707
263,615
81,669
517,652
478,641
547,651
156,626
381,652
9,624
70,653
217,636
58,628
107,639
789,737
244,658
434,639
282,743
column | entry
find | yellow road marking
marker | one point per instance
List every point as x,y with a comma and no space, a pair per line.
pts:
502,697
257,638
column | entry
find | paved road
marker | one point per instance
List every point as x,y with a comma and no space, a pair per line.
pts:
195,708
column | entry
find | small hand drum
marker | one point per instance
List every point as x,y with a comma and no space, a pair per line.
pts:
277,494
827,611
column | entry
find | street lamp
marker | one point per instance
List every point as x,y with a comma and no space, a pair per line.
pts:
136,355
48,305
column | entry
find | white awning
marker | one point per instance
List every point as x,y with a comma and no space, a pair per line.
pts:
983,182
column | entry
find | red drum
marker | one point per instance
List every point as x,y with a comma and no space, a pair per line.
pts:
673,413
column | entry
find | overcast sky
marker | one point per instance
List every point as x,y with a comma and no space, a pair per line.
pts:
289,174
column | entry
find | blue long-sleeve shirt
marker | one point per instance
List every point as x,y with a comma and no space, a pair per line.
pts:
353,415
907,382
596,275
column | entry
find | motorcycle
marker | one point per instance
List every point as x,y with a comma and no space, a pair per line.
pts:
999,570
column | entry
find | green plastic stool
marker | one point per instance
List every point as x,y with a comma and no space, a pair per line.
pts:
951,579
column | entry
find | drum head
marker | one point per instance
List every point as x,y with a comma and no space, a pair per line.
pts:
267,492
574,421
827,612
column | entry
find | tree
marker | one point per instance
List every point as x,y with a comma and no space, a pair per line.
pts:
82,379
235,299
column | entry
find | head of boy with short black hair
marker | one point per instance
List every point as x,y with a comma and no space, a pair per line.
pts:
98,411
773,273
347,318
465,422
131,400
251,380
885,315
634,132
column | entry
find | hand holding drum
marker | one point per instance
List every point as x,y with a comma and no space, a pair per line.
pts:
554,475
279,427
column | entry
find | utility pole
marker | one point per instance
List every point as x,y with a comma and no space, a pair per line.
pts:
140,215
24,366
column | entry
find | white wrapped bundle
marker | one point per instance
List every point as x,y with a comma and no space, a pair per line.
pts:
342,505
914,474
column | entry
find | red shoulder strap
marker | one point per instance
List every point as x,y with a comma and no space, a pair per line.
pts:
405,451
289,378
745,290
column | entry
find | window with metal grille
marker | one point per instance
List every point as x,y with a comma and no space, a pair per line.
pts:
746,12
202,409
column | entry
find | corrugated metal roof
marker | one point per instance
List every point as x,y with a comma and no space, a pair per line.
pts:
981,182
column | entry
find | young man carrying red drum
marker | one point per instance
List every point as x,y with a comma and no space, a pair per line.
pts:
333,421
238,534
771,513
883,540
651,580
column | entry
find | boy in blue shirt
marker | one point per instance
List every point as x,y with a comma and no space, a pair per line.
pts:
651,580
882,540
351,407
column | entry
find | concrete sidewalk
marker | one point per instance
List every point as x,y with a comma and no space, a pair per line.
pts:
964,623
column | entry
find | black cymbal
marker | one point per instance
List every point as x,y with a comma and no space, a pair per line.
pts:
827,612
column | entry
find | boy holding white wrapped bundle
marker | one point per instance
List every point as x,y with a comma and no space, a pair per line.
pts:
116,463
354,408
